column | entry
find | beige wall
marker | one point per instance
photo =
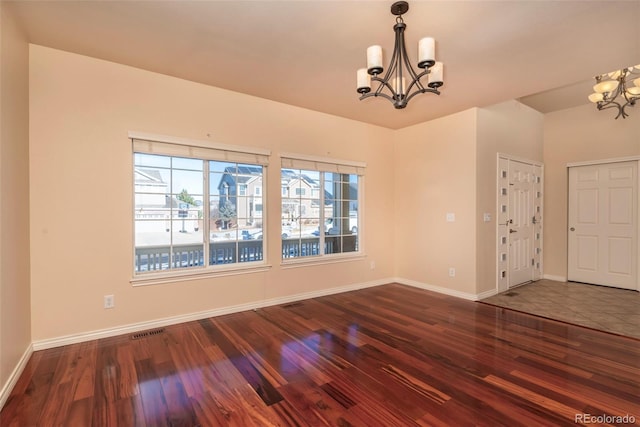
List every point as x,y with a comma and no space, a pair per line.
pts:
508,128
81,184
449,165
80,169
576,135
435,173
15,313
68,231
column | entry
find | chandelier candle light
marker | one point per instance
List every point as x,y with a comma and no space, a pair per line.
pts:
395,80
616,84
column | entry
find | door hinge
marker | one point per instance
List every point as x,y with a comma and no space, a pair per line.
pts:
533,261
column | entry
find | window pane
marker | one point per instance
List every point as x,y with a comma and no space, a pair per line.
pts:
152,187
186,181
319,213
152,233
220,167
185,231
227,214
223,252
309,227
350,243
341,244
188,164
171,226
141,159
152,245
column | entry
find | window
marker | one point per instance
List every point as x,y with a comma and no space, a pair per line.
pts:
322,221
187,213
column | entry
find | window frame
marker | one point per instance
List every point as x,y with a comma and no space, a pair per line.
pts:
331,165
205,151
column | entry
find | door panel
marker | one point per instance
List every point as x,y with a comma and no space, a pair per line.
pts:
587,252
603,215
521,185
519,222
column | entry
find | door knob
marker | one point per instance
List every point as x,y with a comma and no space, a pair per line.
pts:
572,229
512,230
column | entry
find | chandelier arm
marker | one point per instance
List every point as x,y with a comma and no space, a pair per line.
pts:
609,104
613,104
399,55
631,103
416,81
382,85
375,94
392,68
424,90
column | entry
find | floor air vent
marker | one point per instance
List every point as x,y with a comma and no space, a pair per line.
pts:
145,334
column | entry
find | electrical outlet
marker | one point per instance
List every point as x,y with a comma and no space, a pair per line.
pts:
373,265
452,272
451,217
109,301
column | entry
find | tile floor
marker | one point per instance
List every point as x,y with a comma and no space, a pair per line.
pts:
599,307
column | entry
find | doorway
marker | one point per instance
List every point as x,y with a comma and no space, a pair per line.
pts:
603,224
519,225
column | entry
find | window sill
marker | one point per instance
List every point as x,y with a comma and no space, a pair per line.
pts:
306,261
182,276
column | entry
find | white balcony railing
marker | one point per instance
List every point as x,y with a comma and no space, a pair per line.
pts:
159,258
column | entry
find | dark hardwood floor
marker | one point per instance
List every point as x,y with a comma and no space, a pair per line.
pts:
385,356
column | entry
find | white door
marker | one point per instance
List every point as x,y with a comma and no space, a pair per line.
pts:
603,218
521,190
519,228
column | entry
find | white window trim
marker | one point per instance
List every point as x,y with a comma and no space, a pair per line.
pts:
218,270
319,260
172,276
321,159
198,143
351,167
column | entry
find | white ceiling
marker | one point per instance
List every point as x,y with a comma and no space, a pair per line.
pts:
306,53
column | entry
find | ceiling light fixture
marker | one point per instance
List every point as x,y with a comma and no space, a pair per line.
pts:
616,84
399,93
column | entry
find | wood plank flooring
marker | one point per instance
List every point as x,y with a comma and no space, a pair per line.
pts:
385,356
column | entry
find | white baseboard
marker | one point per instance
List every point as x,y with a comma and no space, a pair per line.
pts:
554,278
141,326
445,291
15,374
486,294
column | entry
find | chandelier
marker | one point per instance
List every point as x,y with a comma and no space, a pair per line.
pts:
394,85
614,90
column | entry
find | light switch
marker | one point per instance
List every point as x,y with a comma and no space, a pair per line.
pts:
487,217
451,217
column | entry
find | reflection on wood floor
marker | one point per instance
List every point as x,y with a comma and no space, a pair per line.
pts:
599,307
385,356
